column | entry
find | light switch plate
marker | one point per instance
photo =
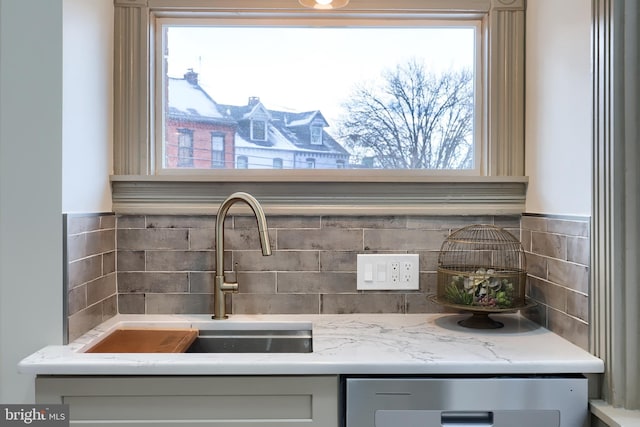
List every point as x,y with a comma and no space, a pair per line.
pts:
388,272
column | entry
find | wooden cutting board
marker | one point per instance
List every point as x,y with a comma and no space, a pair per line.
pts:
146,340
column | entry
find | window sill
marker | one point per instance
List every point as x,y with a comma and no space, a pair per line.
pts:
614,417
386,194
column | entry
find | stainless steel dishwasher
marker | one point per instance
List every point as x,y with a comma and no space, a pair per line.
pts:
464,402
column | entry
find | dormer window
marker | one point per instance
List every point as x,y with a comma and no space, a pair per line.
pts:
258,130
316,135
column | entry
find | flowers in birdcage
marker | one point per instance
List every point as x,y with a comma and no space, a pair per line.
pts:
483,288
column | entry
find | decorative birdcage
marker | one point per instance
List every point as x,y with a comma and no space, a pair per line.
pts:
482,269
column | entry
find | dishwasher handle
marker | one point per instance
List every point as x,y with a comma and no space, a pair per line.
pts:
466,418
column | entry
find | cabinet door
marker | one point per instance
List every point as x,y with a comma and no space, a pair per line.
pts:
265,401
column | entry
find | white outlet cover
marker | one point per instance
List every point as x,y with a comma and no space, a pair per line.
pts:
392,272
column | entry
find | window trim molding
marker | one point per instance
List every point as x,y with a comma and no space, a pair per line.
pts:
502,124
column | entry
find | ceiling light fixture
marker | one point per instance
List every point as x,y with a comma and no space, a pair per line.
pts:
324,4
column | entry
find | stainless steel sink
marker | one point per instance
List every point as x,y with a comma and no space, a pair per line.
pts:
253,340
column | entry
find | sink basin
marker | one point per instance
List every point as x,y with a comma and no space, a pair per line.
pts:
253,338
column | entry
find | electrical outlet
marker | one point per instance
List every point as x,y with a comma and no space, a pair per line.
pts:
388,272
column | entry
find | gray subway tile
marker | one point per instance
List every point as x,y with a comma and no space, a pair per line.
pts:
162,238
279,222
421,303
548,293
84,270
362,303
278,261
338,261
102,241
537,314
578,250
507,221
142,282
569,328
109,262
569,228
573,276
547,244
131,303
76,246
130,221
404,240
447,224
525,240
361,222
130,261
82,224
101,288
315,283
201,282
428,260
203,238
246,239
181,221
107,221
109,307
536,265
275,304
257,282
578,305
534,223
179,303
84,320
76,299
324,239
180,260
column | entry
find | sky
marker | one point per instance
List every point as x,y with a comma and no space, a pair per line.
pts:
305,68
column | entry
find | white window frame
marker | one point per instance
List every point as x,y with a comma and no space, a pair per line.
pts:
315,135
254,125
138,186
217,149
242,162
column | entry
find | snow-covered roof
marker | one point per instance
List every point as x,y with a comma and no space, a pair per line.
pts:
286,130
191,101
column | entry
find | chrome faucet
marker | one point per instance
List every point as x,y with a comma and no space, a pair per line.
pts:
221,288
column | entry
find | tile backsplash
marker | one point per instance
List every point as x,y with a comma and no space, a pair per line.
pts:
166,264
558,260
158,264
90,271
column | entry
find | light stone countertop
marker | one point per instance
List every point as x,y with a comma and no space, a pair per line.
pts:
342,344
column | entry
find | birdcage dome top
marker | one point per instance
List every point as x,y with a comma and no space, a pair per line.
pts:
482,246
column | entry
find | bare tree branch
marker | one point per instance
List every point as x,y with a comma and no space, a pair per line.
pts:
414,120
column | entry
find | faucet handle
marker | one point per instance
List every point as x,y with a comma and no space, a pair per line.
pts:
232,284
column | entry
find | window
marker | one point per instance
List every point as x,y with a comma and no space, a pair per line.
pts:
217,151
277,163
494,181
403,93
185,148
311,163
242,162
316,135
258,130
339,164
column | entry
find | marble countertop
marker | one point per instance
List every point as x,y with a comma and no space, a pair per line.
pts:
342,344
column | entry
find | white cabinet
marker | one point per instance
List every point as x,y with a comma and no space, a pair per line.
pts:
178,401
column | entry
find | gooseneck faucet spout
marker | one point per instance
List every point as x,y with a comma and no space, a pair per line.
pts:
221,288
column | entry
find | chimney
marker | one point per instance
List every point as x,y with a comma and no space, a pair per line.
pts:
253,100
191,76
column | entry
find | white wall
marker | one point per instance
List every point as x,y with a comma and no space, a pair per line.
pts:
30,186
56,62
558,107
87,108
